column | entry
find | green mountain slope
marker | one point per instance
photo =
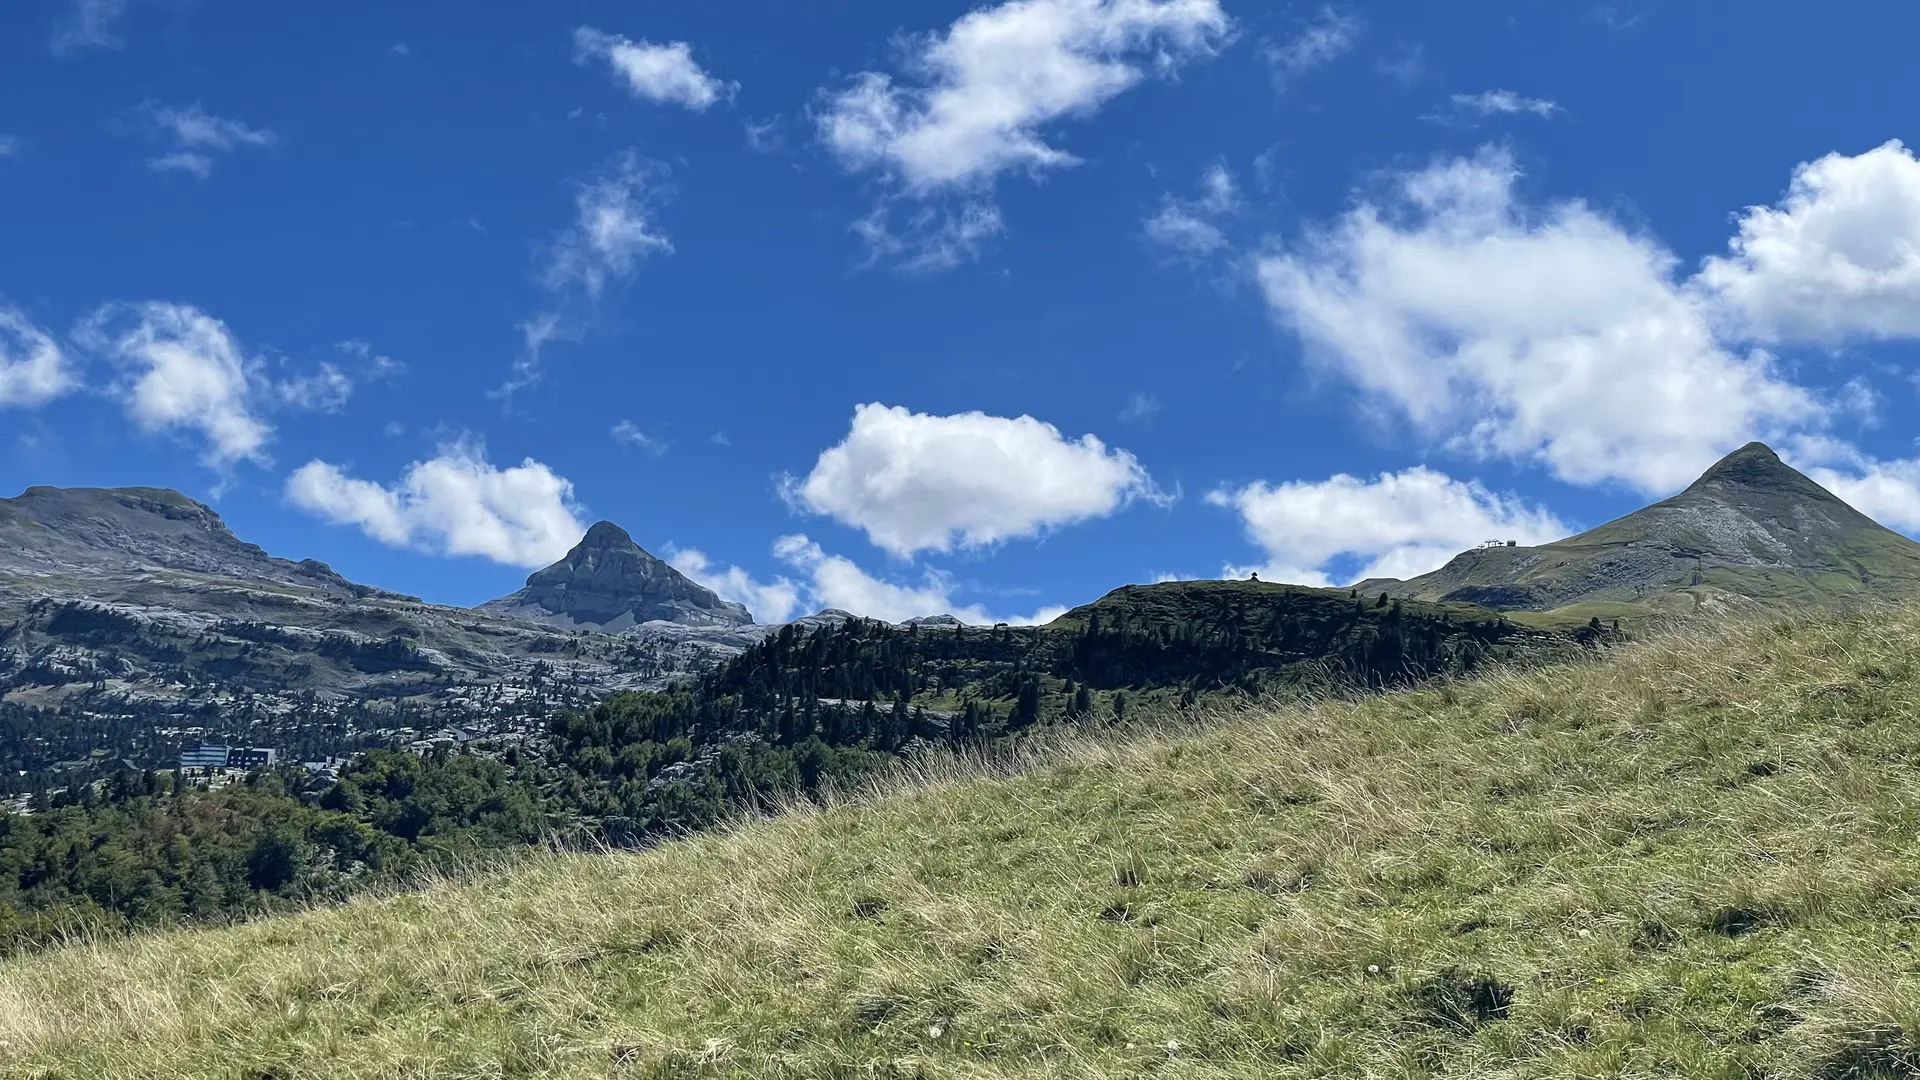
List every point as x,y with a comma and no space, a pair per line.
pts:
1751,529
1695,857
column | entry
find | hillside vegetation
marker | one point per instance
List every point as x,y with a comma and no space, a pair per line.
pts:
1698,856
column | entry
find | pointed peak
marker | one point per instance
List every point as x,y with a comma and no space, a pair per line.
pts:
605,534
1754,465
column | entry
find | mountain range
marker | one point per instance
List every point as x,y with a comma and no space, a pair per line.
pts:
143,595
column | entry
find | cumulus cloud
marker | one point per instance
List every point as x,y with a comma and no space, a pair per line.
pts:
987,87
1492,102
1328,37
835,581
455,503
196,136
776,601
33,368
1397,524
1188,226
1837,259
1886,491
612,230
664,74
184,371
90,24
1549,334
915,482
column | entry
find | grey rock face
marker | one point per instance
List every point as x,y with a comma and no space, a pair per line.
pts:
142,595
109,533
610,584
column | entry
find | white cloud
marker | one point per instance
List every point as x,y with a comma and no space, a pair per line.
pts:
835,581
455,503
1323,41
373,364
196,136
186,161
9,145
1490,102
915,482
1549,334
326,390
627,433
33,368
1401,524
1180,231
936,237
1187,226
1140,408
185,371
90,25
1886,491
611,230
770,602
764,137
987,87
666,74
1839,258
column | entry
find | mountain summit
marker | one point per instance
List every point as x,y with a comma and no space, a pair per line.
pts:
608,583
1751,528
108,537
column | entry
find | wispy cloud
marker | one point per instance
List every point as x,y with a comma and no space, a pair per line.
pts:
1140,408
1328,37
196,136
628,434
1492,102
612,231
89,24
1190,227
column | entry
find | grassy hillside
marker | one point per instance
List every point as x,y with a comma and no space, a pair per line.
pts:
1698,857
1750,532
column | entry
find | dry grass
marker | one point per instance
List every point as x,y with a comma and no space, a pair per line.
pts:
1699,857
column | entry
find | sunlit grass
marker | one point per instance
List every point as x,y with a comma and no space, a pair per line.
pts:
1698,857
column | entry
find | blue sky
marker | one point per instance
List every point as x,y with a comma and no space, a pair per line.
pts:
918,307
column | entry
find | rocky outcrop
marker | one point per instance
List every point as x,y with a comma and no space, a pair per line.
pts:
609,584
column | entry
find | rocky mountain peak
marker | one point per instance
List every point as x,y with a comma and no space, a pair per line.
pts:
606,536
1753,471
1751,529
608,583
